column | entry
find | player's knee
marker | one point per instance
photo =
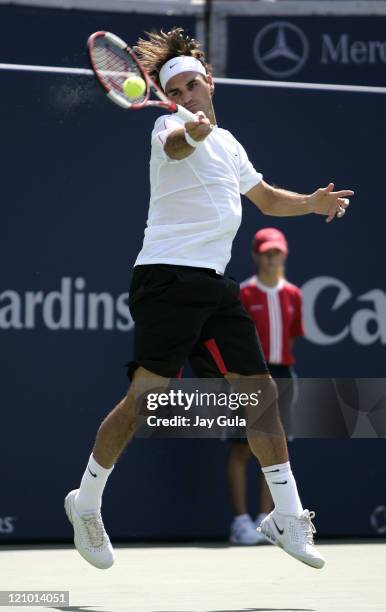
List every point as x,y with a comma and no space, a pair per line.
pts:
261,389
142,396
262,407
143,378
270,391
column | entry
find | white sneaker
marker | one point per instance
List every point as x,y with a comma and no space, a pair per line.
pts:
294,535
243,531
90,537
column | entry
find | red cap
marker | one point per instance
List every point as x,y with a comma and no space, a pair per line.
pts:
269,238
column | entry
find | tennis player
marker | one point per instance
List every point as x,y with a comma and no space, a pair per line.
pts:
275,307
183,305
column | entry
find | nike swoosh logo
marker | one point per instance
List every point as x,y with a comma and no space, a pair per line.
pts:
281,531
284,482
172,65
272,471
91,472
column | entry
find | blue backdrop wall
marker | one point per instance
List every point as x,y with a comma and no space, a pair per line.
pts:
322,49
73,209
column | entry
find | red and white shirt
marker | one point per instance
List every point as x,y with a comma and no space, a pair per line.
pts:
277,314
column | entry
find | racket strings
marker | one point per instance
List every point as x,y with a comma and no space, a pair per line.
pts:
114,66
113,63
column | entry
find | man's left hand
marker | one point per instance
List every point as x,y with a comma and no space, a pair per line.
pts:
325,201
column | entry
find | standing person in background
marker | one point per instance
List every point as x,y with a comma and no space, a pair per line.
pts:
275,306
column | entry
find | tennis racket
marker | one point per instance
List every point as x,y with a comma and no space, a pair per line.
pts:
113,61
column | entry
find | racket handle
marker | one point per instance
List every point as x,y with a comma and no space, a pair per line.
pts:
184,114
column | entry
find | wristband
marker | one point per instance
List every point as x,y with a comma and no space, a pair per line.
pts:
190,140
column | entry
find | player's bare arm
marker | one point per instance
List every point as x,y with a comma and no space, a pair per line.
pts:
282,203
176,145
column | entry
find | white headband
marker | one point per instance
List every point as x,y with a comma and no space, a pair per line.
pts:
176,65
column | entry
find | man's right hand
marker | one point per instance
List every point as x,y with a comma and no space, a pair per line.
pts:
200,128
176,145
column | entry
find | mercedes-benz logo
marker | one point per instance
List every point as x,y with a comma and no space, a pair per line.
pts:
280,49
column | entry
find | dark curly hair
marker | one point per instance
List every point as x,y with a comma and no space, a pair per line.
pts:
161,46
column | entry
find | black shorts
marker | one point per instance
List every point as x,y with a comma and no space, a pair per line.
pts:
183,313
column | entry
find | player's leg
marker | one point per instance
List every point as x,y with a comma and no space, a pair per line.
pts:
112,437
83,505
288,525
286,383
120,424
242,528
169,305
239,358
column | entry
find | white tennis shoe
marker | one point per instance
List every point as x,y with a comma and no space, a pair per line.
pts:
294,535
90,537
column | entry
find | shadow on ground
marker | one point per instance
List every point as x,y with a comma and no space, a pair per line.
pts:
81,608
253,610
102,609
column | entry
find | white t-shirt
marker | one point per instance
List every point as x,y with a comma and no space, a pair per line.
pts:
195,204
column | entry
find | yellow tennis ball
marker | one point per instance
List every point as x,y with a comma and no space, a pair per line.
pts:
134,87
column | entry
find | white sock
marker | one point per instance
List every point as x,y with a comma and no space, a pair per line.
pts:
282,485
89,496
